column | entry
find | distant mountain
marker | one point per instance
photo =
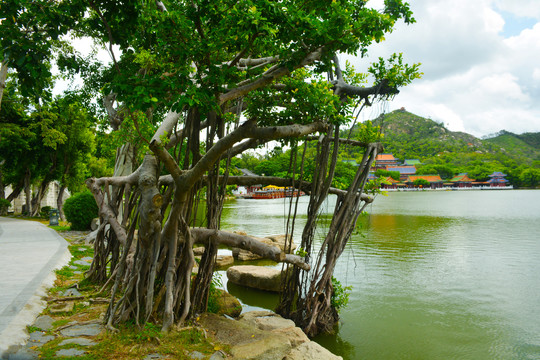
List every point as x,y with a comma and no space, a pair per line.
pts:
409,136
526,145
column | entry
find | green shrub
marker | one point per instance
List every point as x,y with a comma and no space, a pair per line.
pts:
80,209
44,212
340,295
4,206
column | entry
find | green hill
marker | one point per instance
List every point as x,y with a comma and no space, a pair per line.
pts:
409,136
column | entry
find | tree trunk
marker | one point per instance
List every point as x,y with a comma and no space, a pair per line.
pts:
60,202
27,192
3,77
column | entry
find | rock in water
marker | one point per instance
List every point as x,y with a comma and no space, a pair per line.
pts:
257,277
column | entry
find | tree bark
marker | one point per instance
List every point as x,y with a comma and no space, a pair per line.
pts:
3,77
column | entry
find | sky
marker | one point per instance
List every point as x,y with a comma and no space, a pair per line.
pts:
480,59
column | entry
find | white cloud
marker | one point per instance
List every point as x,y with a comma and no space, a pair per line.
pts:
475,79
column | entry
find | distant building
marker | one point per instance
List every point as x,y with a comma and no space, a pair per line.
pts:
462,181
384,160
404,171
435,181
497,179
49,199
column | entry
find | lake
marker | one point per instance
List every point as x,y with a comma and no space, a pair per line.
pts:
434,274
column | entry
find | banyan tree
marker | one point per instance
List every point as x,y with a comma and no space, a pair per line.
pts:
193,84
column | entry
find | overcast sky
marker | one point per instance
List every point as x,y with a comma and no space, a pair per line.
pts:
481,64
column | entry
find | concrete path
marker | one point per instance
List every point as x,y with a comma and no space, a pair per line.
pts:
29,252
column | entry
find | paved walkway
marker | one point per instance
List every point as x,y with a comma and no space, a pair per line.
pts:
29,252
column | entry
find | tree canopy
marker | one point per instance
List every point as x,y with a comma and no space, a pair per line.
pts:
192,84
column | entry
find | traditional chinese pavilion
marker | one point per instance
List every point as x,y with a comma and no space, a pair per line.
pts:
434,180
382,161
462,181
497,179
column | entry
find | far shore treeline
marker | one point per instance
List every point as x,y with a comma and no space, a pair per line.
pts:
440,151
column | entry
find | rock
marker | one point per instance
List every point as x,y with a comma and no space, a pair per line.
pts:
266,320
82,330
44,322
280,240
70,352
295,335
88,259
224,260
94,224
256,277
154,356
20,353
311,351
81,263
63,307
228,304
38,339
71,292
218,355
78,341
246,341
195,355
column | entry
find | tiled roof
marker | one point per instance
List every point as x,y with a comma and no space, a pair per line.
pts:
430,178
497,173
461,177
500,180
389,180
385,157
407,170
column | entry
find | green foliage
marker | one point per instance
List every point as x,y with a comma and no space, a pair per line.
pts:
421,183
80,209
213,294
530,177
4,206
44,212
340,295
385,173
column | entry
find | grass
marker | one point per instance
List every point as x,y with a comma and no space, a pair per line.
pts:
130,342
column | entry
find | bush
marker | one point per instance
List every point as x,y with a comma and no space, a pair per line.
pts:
44,212
4,206
80,209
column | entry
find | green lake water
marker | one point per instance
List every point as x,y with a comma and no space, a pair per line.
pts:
435,274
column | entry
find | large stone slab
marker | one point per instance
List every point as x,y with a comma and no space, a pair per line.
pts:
44,322
311,351
257,277
82,330
78,341
266,320
71,353
38,339
246,341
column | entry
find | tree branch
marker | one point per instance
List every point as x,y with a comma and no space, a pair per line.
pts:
203,235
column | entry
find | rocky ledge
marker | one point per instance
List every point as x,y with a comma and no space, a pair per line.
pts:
264,335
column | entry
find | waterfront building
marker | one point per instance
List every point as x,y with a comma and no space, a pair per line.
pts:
462,181
404,171
435,181
497,179
384,160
